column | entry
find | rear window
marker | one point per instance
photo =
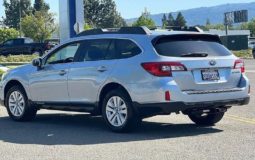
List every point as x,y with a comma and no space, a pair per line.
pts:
181,46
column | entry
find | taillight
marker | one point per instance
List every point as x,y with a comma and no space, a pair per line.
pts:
239,64
163,69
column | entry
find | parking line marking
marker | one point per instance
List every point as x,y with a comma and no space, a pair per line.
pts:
241,119
250,71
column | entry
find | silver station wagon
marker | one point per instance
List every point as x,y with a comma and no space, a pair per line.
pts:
130,74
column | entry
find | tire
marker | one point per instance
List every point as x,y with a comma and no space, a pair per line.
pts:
119,119
207,120
19,110
253,53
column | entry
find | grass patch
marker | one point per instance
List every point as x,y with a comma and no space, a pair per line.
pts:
18,58
1,73
243,53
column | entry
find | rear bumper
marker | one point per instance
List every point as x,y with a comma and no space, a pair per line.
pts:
171,107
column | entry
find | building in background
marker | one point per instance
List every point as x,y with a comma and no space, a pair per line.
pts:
235,40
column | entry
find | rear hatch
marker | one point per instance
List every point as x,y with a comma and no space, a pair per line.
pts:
208,64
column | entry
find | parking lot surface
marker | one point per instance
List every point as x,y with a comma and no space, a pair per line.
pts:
58,135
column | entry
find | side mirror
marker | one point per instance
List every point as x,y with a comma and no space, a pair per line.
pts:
37,62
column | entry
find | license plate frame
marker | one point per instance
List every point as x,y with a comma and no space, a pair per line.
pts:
210,74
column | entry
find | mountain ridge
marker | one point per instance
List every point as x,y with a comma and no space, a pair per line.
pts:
198,16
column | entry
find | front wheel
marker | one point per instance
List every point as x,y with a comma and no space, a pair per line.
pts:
18,106
118,111
206,119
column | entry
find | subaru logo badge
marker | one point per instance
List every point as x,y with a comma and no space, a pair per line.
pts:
212,63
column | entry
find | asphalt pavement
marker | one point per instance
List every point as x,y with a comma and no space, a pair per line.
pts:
58,135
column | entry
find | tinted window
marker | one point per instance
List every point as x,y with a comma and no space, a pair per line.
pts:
107,49
180,47
18,41
64,55
94,50
10,42
126,49
28,40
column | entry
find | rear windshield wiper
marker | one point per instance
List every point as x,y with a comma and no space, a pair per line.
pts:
197,54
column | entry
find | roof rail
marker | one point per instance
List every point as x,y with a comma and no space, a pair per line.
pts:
123,30
185,28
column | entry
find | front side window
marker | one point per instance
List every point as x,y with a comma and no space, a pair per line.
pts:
63,55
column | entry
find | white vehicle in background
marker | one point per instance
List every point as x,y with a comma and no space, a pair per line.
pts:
251,44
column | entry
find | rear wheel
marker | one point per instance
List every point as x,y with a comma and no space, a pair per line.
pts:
17,105
206,119
118,111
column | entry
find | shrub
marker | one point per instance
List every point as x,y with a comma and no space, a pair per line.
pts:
243,53
1,73
8,33
18,58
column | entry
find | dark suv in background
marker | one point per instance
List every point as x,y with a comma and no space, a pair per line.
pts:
24,46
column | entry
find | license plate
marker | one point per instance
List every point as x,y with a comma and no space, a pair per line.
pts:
210,75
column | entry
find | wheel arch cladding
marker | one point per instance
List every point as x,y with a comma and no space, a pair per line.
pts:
10,84
106,89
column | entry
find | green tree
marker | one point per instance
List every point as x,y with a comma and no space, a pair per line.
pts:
38,26
40,5
180,20
249,26
87,27
8,33
102,14
145,20
14,9
164,21
171,20
216,26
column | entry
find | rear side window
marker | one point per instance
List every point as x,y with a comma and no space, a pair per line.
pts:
126,49
179,47
121,49
107,49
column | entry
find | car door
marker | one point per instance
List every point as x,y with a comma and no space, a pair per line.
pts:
88,74
49,84
7,47
18,46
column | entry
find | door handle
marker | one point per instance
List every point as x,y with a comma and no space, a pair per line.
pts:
101,69
62,72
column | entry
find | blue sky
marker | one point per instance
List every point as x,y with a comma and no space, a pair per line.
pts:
133,8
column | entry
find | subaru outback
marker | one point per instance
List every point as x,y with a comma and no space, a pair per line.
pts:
130,74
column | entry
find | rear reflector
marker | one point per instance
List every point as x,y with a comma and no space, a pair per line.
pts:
239,64
163,69
167,96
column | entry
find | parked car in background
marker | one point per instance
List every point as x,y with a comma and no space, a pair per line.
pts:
251,44
24,46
